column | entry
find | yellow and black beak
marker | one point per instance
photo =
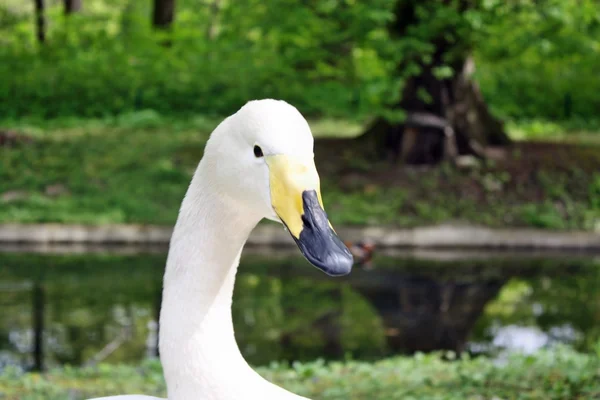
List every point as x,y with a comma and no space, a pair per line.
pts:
296,199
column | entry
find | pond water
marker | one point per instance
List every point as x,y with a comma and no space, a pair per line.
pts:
102,306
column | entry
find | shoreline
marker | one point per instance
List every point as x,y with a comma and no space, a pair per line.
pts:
443,236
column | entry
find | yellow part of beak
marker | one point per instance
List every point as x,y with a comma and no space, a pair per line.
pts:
289,178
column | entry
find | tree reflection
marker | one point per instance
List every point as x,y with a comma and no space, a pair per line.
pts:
102,308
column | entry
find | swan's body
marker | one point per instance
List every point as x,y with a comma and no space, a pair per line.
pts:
130,397
233,188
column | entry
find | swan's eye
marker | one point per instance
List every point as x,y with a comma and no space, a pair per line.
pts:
258,152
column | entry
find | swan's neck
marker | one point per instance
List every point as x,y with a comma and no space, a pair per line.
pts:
200,356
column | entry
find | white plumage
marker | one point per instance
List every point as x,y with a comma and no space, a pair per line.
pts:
229,194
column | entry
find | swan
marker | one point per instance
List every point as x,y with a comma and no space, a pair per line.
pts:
258,163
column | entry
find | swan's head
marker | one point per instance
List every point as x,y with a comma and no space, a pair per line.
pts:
262,158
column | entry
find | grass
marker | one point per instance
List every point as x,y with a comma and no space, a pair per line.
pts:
578,131
553,374
128,169
135,168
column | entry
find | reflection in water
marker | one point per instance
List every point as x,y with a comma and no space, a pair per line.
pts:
425,314
90,308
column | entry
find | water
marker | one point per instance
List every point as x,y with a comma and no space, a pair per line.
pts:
101,305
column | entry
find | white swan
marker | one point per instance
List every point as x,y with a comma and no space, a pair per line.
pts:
258,163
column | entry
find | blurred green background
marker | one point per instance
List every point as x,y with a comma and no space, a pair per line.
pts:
114,100
482,112
535,60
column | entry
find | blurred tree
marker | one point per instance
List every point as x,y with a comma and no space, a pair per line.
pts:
40,21
338,59
72,6
163,14
444,112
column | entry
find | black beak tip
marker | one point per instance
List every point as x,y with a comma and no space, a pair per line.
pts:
338,263
318,242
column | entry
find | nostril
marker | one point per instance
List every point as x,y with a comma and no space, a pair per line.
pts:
306,221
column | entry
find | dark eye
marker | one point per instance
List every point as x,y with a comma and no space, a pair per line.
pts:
258,152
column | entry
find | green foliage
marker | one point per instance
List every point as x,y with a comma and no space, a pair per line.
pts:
540,59
553,374
535,59
594,193
108,61
543,215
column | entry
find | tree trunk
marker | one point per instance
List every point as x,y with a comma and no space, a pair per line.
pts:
72,6
164,11
40,21
453,120
38,303
214,8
